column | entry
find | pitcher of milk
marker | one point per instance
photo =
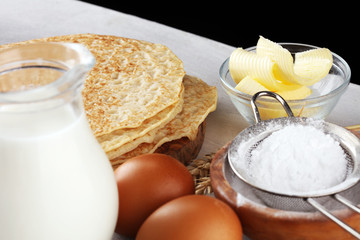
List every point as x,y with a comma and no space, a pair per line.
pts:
55,180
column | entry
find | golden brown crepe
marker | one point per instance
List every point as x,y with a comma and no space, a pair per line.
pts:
138,96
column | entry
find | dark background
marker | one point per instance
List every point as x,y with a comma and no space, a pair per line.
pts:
240,23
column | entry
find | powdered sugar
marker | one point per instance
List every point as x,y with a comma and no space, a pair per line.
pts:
293,158
298,158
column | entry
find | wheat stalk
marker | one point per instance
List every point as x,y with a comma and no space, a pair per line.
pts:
200,170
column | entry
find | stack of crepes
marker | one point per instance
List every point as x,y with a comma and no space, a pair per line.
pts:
138,97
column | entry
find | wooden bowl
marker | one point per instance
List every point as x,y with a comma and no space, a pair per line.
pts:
264,223
184,149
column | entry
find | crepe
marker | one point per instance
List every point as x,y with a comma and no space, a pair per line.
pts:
199,100
138,96
125,136
132,80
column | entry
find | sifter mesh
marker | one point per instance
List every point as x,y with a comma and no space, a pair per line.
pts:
282,202
246,142
241,148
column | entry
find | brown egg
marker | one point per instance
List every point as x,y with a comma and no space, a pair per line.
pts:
192,217
145,183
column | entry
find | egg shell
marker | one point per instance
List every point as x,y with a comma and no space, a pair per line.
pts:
192,217
145,183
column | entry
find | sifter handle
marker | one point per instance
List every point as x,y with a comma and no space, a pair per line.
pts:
269,94
332,217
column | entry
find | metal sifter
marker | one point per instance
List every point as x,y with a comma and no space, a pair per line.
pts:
252,136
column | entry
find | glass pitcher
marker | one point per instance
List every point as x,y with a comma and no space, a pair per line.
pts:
55,180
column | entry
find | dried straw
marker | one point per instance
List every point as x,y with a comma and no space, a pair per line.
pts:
200,170
354,128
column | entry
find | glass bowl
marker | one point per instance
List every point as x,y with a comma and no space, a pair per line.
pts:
326,92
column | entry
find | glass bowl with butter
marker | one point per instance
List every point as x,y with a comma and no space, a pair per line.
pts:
317,101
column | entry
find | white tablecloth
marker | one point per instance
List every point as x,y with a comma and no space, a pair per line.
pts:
22,20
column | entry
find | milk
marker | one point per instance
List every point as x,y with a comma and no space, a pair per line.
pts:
55,180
